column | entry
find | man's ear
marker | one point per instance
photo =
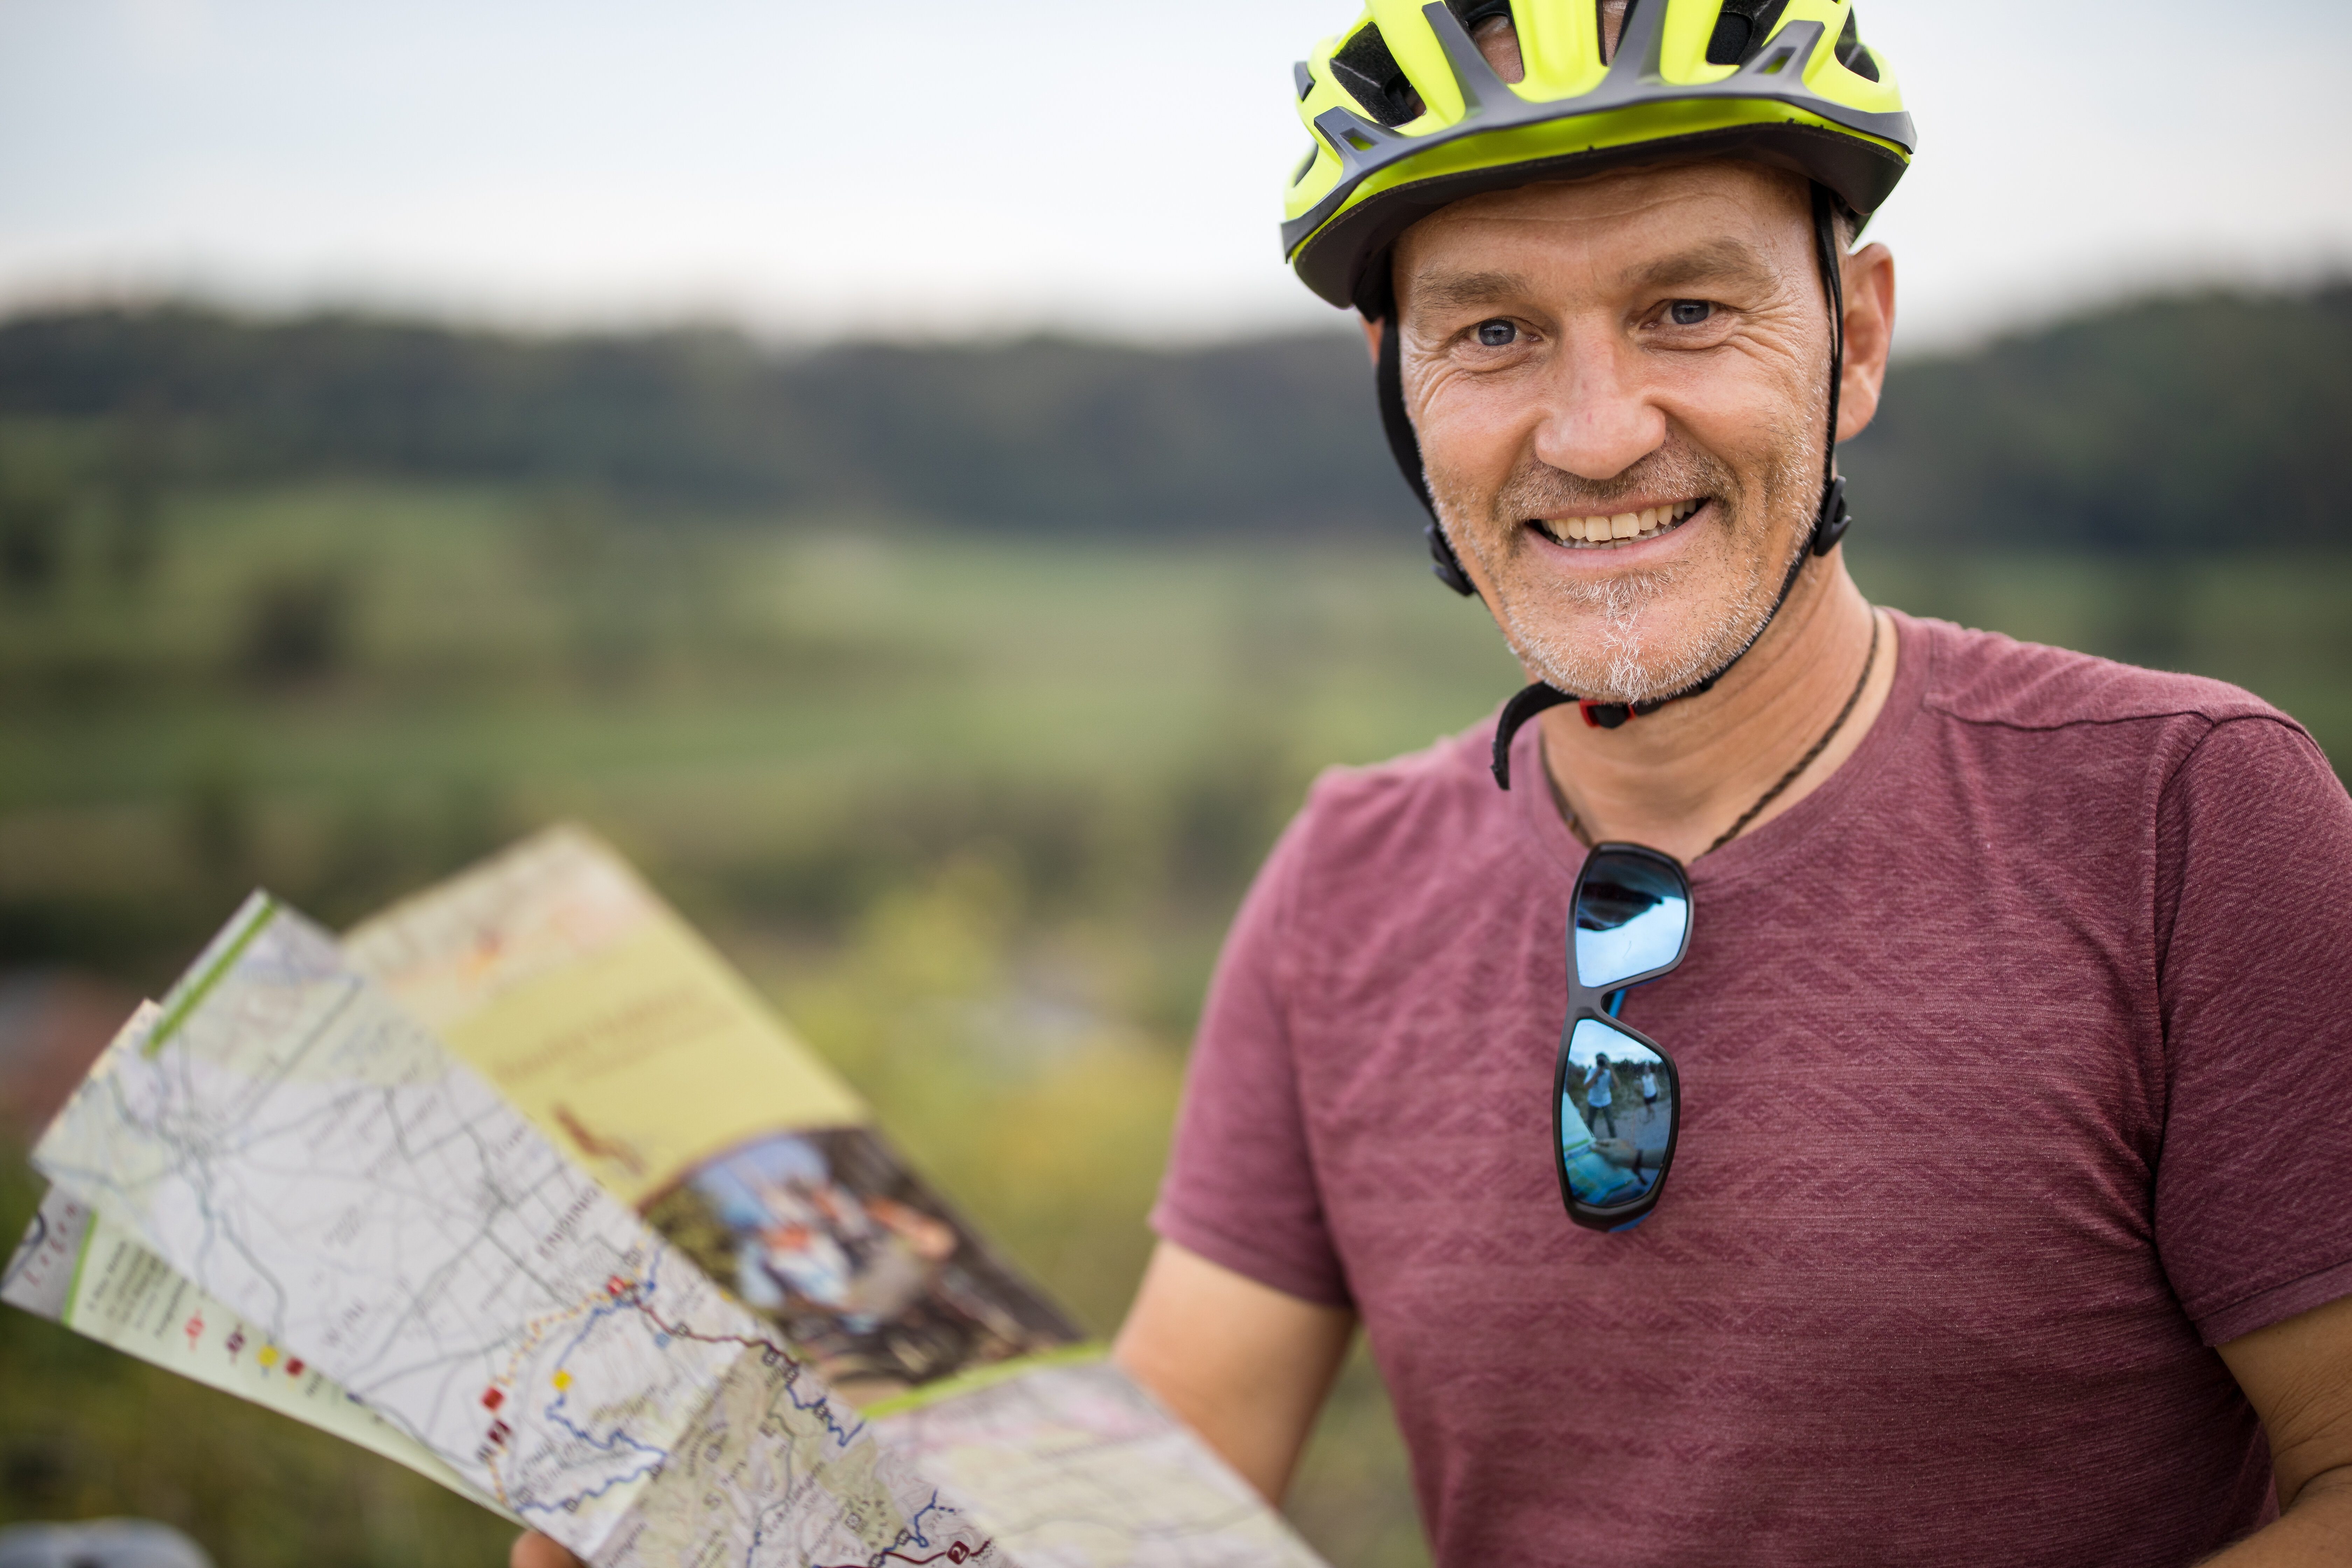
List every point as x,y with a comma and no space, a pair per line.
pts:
1373,328
1869,336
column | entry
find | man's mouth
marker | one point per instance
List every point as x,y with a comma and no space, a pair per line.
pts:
1590,532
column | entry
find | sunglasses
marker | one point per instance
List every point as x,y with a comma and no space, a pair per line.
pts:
1619,1098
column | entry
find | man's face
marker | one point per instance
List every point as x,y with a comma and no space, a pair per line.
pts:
1644,354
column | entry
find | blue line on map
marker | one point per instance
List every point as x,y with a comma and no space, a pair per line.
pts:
619,1439
823,1405
915,1523
564,1504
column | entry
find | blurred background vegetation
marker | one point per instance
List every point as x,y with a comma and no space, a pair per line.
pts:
955,690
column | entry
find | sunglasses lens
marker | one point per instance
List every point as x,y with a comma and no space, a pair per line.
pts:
1632,914
1616,1115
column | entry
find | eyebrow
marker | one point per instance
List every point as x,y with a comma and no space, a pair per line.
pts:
1458,290
1714,261
1717,261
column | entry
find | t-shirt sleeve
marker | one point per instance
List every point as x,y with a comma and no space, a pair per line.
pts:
2253,1186
1240,1189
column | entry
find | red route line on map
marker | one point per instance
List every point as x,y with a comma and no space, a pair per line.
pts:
632,1297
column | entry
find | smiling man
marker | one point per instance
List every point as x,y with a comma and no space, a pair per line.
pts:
2001,1210
2006,1212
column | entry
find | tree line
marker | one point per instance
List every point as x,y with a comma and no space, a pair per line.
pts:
2180,423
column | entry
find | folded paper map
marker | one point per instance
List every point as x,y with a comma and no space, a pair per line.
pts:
78,1268
412,1165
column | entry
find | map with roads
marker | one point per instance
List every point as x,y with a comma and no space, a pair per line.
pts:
295,1144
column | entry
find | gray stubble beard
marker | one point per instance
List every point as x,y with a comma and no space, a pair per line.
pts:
1624,666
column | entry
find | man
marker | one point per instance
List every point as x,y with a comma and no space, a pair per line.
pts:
1598,1095
1615,320
1615,317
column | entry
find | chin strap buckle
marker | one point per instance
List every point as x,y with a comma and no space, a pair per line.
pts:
1605,715
1443,565
1830,526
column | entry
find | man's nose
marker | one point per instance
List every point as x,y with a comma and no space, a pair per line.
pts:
1598,419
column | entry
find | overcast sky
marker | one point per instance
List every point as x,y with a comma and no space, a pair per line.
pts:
932,166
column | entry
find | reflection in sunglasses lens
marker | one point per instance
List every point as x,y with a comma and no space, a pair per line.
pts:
1616,1115
1630,916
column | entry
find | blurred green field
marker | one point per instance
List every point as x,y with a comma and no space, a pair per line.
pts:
973,812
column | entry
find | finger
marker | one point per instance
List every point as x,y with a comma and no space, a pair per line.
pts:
536,1550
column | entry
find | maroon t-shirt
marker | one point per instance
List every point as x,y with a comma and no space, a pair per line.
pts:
2017,1073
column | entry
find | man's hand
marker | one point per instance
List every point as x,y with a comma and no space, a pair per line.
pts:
536,1550
2298,1377
1246,1366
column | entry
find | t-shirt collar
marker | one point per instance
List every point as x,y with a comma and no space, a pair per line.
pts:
1759,850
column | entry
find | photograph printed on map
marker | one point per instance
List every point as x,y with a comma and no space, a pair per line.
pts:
861,1265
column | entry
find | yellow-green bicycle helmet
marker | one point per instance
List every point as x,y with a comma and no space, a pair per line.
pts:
1407,114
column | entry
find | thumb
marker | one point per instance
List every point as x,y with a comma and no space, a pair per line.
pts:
536,1550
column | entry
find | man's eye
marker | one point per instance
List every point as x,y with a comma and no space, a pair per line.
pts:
1689,313
1497,335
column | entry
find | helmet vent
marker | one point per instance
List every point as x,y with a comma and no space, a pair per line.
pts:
1740,30
1612,15
1851,53
1493,28
1374,79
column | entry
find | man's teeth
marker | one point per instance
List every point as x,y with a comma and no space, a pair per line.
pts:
1624,525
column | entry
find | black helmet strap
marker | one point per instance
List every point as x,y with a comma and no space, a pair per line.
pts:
1405,448
1830,522
1830,519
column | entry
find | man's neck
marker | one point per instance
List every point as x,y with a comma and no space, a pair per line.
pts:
1678,777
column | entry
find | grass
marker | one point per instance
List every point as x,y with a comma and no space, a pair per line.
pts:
973,811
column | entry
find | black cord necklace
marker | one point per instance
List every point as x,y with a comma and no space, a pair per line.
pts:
1869,662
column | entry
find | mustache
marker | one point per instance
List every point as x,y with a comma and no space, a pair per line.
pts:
1536,489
